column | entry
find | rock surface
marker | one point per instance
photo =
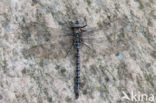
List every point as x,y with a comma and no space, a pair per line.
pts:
33,67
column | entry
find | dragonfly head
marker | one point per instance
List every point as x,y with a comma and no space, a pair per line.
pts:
77,27
76,24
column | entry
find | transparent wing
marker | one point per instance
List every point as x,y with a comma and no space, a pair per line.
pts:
108,45
44,42
47,42
110,39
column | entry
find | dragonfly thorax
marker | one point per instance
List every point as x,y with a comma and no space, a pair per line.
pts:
77,34
77,30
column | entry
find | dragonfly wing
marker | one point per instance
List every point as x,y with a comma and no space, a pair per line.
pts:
107,28
49,50
110,40
105,47
40,32
45,42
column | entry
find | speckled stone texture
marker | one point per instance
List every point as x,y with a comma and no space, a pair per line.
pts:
33,67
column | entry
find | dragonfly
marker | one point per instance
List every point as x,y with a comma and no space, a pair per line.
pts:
47,42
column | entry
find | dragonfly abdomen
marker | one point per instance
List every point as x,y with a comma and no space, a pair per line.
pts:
77,77
77,42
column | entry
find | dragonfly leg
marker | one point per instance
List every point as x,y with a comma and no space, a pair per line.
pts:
69,51
87,45
84,26
68,35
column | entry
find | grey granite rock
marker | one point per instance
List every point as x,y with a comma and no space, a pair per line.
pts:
33,67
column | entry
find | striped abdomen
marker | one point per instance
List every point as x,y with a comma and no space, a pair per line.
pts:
77,73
